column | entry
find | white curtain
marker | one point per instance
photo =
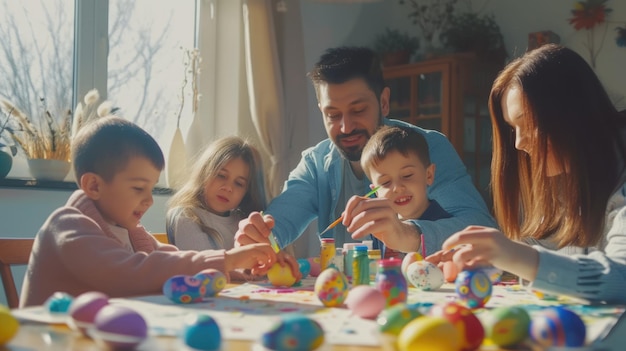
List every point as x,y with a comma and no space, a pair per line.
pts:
265,88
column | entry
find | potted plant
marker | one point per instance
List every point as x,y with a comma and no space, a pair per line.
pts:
469,32
395,47
46,140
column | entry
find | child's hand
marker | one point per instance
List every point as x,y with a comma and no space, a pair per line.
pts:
364,216
256,257
254,229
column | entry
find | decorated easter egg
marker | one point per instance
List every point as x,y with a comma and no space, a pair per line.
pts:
316,266
557,326
393,319
409,258
428,333
473,288
365,301
212,282
201,332
424,275
119,327
8,325
450,271
59,302
294,332
281,275
471,332
331,287
84,308
183,289
304,266
506,326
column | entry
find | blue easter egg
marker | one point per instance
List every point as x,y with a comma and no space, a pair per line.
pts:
59,302
473,288
305,267
202,333
183,289
557,326
212,282
294,332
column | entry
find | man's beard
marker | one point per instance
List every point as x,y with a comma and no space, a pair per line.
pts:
353,153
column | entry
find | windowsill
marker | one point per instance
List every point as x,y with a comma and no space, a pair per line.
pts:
29,183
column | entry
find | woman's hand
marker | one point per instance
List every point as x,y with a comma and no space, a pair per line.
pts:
364,216
478,246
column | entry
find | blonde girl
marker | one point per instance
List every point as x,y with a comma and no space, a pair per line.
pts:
225,184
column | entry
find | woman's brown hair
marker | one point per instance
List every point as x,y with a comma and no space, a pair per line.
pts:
567,107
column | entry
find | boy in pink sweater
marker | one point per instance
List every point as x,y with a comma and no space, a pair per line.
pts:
96,242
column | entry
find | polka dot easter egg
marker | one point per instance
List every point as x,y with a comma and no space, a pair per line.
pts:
424,275
294,332
188,289
473,288
331,287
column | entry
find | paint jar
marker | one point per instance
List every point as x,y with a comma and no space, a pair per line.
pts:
360,266
391,282
327,252
348,254
374,257
337,261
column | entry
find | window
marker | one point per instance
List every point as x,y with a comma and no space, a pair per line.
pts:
132,51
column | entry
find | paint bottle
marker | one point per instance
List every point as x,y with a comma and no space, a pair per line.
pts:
360,266
348,254
327,252
391,282
373,256
337,261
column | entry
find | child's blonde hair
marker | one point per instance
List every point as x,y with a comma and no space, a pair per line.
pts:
207,166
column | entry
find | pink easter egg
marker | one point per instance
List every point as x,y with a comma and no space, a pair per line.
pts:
84,308
316,267
365,301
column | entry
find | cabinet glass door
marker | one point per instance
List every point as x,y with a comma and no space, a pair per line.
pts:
430,100
400,99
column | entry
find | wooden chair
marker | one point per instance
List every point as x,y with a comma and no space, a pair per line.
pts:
161,237
13,251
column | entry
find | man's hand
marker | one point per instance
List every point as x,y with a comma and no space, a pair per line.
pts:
254,229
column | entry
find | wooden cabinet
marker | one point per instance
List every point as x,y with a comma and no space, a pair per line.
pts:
449,94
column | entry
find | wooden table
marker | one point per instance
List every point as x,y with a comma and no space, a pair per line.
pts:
37,336
33,336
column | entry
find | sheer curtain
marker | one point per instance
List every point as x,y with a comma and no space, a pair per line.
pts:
265,88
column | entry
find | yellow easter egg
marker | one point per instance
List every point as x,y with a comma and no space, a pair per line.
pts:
8,325
281,275
427,333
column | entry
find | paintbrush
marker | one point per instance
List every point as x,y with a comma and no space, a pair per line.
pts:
338,220
272,239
